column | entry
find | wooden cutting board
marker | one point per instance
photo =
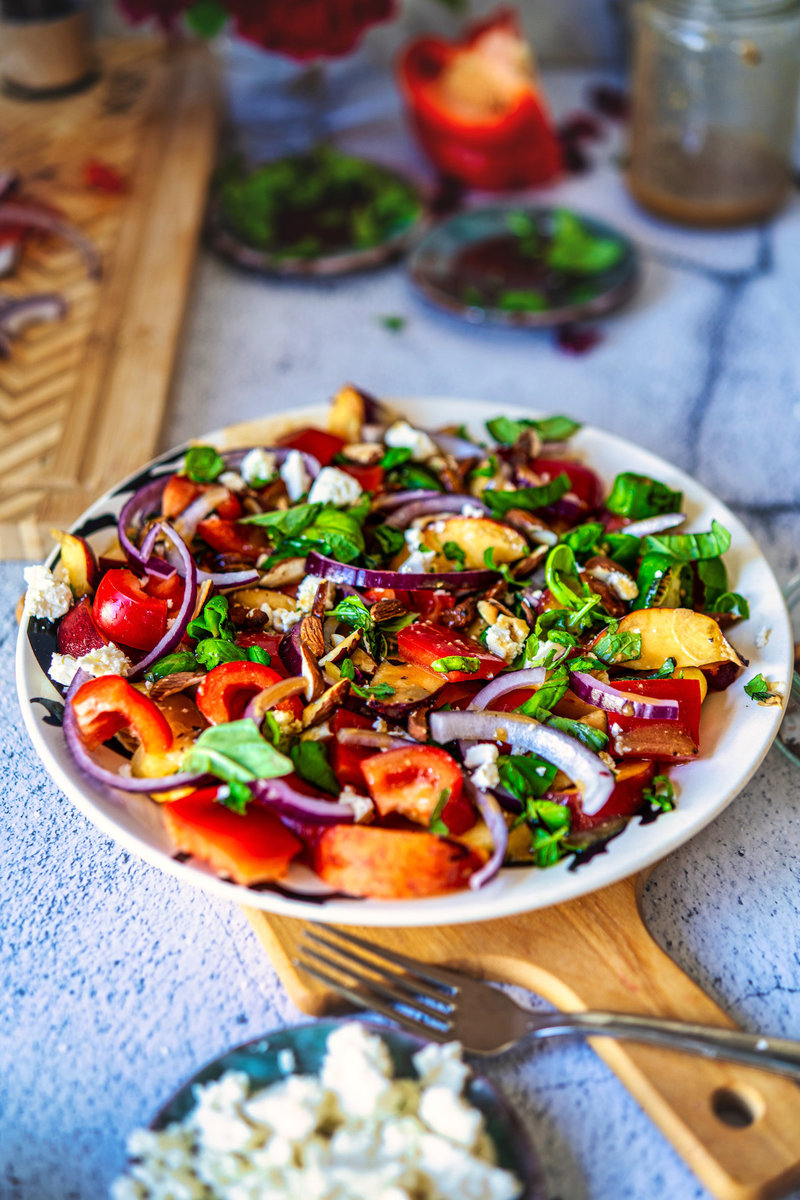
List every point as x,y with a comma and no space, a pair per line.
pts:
595,952
82,400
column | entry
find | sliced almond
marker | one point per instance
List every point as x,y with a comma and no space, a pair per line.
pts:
203,592
387,610
343,650
321,598
364,453
365,662
170,685
315,683
326,704
291,570
311,634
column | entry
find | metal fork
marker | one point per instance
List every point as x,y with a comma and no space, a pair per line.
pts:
444,1005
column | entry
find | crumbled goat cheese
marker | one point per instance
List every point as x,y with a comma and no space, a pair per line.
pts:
232,481
258,466
317,733
308,590
763,635
362,806
507,637
105,660
472,510
283,619
420,558
403,436
547,652
380,726
353,1132
333,486
47,597
294,475
481,760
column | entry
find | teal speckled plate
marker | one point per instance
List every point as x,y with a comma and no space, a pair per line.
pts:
261,1061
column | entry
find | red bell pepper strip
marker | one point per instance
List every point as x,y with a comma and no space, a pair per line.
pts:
181,491
109,703
664,741
476,107
125,613
223,694
424,644
316,442
411,781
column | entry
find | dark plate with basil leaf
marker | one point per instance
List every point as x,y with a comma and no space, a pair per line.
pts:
525,267
319,213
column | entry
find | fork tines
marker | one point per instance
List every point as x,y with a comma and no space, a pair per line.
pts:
419,996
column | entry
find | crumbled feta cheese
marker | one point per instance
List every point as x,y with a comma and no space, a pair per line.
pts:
763,635
420,558
362,806
472,510
282,619
380,726
105,660
258,467
294,475
481,760
308,590
333,486
507,637
317,733
403,436
547,653
353,1132
232,481
47,597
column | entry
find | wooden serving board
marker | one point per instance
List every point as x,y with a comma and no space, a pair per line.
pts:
595,952
82,400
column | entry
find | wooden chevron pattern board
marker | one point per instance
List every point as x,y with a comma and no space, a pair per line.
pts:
82,400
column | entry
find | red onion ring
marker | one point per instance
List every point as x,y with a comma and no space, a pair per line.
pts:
492,814
32,217
101,775
287,801
186,522
584,768
373,738
611,699
144,503
450,502
533,677
652,525
395,499
457,447
362,577
174,635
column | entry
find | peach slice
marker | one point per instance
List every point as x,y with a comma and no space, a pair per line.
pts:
691,638
78,560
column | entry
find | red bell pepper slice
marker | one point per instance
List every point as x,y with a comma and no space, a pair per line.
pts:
317,442
124,611
109,703
253,847
244,542
624,801
410,781
223,694
181,491
369,478
667,741
424,644
476,107
346,759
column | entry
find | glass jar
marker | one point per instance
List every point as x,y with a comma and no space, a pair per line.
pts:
714,108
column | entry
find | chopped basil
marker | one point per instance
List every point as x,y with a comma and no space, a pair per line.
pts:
758,688
487,471
456,662
354,612
614,647
550,429
454,553
213,622
590,736
660,793
203,464
574,250
529,498
583,539
390,540
525,775
691,547
286,522
276,733
235,751
310,761
437,824
665,671
393,324
546,848
171,664
548,695
502,568
211,652
235,795
395,457
522,300
639,496
411,475
733,603
562,578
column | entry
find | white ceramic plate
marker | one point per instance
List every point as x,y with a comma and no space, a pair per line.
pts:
735,735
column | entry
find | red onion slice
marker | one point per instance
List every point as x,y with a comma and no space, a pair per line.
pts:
287,801
101,775
533,677
177,629
652,525
606,696
31,217
450,502
492,814
593,777
362,577
373,739
144,503
395,499
457,447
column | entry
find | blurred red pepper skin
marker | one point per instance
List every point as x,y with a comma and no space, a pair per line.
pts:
125,613
181,491
223,694
245,542
369,478
109,703
345,759
317,442
495,149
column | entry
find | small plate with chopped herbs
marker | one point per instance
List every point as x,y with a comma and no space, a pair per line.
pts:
319,213
524,266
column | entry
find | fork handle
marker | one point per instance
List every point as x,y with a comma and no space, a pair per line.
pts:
781,1055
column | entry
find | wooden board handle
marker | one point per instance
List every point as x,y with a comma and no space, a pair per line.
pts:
595,952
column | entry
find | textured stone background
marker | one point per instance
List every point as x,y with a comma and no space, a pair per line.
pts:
117,982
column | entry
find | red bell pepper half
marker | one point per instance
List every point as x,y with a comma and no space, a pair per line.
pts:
109,703
424,644
477,108
664,741
223,694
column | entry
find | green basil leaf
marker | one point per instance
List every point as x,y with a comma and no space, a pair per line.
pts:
454,553
525,775
638,496
311,763
576,251
234,795
235,751
437,824
395,457
660,793
732,602
550,429
529,498
286,522
213,622
562,578
691,547
522,300
548,695
258,654
614,647
546,847
758,688
353,611
411,475
276,733
456,662
203,464
211,652
486,471
171,664
583,539
594,738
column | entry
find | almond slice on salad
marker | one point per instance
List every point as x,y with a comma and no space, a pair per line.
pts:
324,707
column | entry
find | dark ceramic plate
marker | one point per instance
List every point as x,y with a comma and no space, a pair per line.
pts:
340,262
260,1061
436,268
